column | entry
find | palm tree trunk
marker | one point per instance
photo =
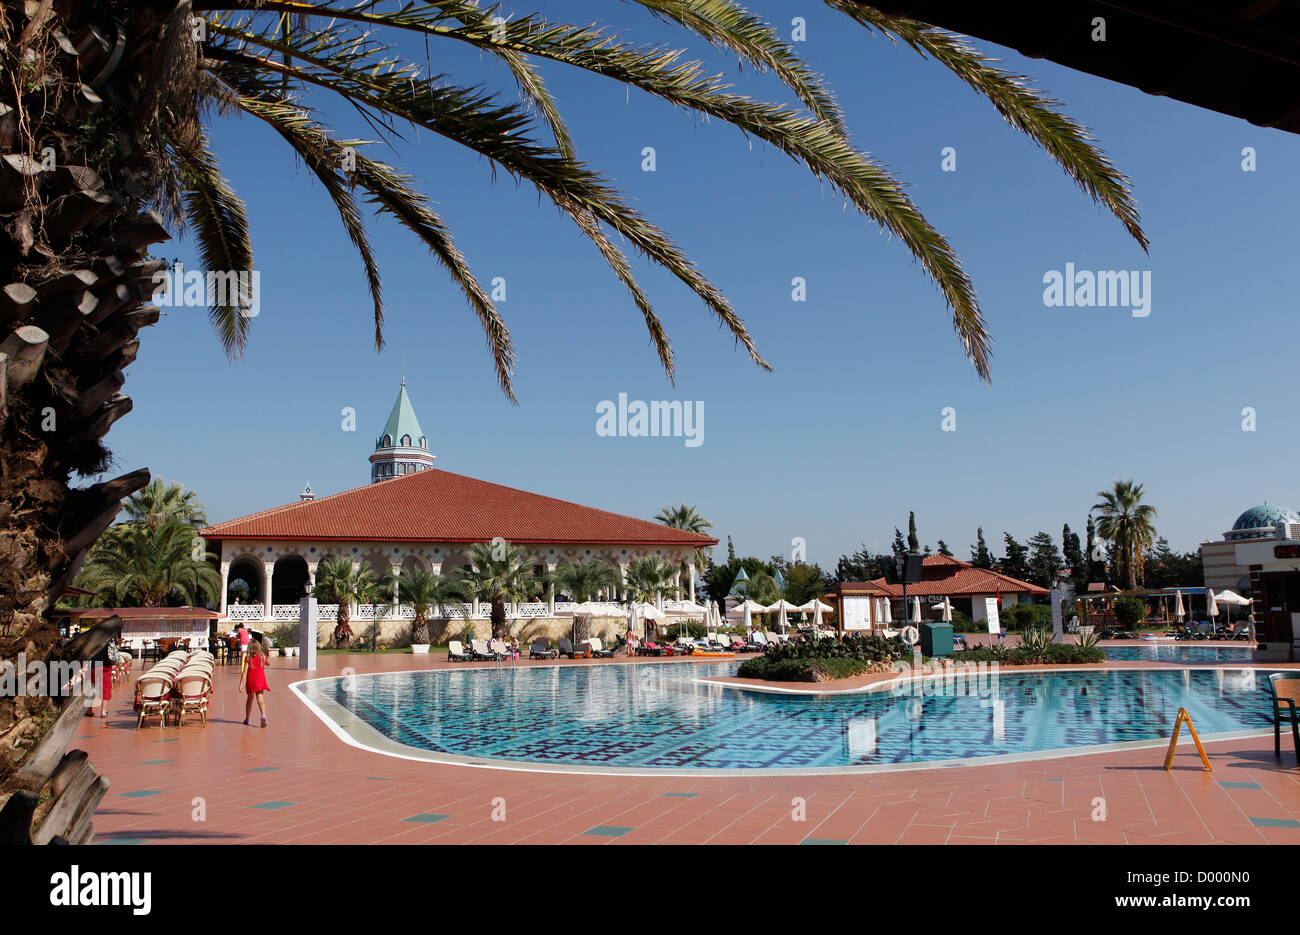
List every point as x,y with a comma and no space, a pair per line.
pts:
498,617
74,274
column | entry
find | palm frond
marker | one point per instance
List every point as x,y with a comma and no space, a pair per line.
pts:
1021,105
220,224
391,193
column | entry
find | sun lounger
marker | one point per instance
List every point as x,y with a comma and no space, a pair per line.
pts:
480,649
650,649
541,649
456,652
597,649
566,648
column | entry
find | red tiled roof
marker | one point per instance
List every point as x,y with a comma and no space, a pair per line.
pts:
942,574
438,506
147,613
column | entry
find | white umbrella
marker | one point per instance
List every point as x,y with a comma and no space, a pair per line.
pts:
816,608
1211,606
1179,612
1231,597
888,616
781,608
916,610
946,607
746,609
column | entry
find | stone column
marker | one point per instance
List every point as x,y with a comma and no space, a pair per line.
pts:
268,570
225,583
397,594
435,568
550,591
690,570
311,578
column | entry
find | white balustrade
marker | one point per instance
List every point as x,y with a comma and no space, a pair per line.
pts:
244,612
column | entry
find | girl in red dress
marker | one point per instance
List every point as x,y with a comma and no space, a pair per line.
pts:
252,679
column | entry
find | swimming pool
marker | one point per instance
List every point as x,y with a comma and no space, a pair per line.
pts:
1186,652
654,717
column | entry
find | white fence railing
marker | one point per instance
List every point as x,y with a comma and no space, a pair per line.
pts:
535,609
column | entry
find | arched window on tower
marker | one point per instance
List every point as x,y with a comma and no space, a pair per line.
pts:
406,441
424,443
388,441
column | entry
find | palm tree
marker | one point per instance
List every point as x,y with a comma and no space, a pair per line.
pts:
338,581
584,580
424,591
159,501
147,566
124,95
1124,520
649,578
688,518
498,573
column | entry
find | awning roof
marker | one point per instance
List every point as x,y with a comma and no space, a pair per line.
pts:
1235,57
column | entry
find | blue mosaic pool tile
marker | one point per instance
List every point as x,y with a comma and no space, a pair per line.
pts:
153,762
822,841
680,795
608,831
272,805
262,769
141,793
1275,822
427,818
121,841
1240,785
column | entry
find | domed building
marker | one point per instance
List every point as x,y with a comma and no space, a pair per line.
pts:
1260,522
1259,558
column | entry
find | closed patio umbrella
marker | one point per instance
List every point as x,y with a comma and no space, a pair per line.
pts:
1211,605
816,608
781,608
916,610
747,609
1179,612
888,616
946,607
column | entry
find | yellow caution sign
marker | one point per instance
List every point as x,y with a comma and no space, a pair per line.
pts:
1183,716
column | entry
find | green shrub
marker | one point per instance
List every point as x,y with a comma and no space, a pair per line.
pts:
1024,616
1130,612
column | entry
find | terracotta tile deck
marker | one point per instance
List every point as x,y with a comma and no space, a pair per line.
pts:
296,783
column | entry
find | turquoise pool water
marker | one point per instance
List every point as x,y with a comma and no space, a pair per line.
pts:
652,716
1188,652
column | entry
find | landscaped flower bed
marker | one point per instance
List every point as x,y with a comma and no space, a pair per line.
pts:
831,659
823,660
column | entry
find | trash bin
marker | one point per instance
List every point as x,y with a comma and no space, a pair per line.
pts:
936,639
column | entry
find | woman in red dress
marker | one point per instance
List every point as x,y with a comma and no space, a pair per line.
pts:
252,679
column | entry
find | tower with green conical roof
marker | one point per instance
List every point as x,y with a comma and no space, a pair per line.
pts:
401,447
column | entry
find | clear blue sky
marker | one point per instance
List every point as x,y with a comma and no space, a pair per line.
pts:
844,437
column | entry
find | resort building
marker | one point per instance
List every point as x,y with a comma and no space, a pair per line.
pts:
1259,558
965,586
414,515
